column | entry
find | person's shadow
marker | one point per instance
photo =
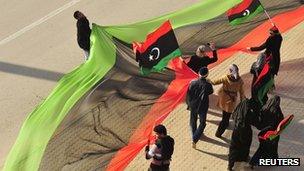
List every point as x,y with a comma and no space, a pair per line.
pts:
220,156
213,141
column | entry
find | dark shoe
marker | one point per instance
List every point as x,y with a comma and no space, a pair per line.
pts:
248,159
218,135
230,165
251,166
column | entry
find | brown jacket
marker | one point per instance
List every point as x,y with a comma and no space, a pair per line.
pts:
228,92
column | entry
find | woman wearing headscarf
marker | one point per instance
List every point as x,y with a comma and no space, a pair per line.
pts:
246,114
232,83
271,115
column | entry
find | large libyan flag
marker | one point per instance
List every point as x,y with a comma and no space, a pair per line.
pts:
101,114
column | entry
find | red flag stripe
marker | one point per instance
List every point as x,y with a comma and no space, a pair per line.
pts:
263,73
152,37
240,7
174,95
282,125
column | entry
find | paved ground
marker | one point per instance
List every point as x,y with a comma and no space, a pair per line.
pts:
211,153
38,46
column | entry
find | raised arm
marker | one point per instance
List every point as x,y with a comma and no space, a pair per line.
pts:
214,53
218,81
263,46
214,58
259,48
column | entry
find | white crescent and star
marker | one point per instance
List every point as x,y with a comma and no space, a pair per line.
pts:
151,57
247,12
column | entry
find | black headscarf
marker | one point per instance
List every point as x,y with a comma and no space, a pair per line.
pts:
247,113
272,104
271,112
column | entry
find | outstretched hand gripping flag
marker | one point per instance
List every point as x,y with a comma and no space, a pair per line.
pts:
159,48
281,127
244,11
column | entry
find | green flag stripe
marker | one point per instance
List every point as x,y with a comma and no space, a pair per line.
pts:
198,13
162,63
279,133
248,17
40,125
264,89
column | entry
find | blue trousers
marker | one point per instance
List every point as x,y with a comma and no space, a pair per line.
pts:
197,131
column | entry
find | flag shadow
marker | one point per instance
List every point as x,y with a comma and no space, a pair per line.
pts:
30,72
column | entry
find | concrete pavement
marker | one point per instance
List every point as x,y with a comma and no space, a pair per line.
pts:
38,45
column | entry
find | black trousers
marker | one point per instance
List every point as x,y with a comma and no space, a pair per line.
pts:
154,167
223,124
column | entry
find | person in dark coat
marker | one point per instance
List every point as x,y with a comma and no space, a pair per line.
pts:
83,32
256,70
272,46
271,116
160,152
201,59
246,114
198,104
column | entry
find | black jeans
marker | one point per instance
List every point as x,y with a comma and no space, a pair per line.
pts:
223,124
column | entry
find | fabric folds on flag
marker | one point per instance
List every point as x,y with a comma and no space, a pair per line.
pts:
244,11
263,83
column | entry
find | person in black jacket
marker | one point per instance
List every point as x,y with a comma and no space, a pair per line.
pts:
272,46
198,104
83,32
201,59
161,151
